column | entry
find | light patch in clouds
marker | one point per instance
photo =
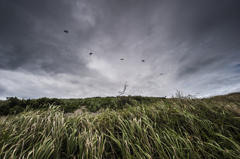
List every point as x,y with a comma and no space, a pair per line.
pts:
103,68
26,85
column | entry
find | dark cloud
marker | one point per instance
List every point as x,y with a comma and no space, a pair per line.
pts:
206,63
187,40
208,32
194,20
32,36
237,68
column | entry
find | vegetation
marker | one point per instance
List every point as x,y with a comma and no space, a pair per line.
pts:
14,105
127,127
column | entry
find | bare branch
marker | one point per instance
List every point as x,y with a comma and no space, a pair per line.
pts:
124,89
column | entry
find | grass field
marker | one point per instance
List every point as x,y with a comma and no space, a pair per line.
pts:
181,127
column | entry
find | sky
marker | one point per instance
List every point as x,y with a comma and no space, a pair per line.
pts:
192,46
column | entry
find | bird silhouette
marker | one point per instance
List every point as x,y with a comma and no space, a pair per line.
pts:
143,60
90,53
121,59
161,73
65,31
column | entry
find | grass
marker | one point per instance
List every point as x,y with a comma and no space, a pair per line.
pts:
137,127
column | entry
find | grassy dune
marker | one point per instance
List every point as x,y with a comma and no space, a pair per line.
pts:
178,127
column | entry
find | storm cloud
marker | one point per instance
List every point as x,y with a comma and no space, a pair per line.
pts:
194,44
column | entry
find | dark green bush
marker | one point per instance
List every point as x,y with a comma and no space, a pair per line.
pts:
12,101
15,110
4,108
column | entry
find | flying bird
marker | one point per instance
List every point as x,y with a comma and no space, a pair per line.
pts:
121,59
143,60
90,53
161,73
65,31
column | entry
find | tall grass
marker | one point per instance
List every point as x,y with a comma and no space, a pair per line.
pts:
182,127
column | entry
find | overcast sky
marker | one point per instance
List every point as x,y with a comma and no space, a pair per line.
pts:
188,45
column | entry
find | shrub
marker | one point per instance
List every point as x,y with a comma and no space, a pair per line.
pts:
15,110
12,101
4,109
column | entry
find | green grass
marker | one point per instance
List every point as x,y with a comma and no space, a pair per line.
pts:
132,127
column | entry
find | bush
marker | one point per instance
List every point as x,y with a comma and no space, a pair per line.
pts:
4,109
12,101
15,110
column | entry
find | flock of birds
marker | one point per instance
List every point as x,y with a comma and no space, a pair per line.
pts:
120,59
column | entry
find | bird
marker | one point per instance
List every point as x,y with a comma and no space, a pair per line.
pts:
143,60
121,59
161,73
90,53
65,31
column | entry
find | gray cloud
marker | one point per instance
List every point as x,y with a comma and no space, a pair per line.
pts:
187,41
2,90
32,37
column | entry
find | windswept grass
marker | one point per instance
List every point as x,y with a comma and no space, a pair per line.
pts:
182,127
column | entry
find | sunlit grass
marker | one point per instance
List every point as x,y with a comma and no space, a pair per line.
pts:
182,127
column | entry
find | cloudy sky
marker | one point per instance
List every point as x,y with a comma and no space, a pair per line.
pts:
188,45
